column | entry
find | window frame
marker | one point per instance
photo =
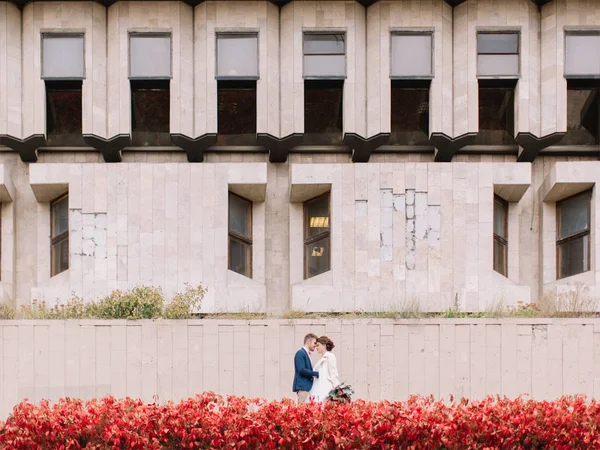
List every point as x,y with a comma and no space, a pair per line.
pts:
326,234
402,85
64,236
239,138
52,86
500,239
574,236
508,85
518,53
304,54
60,35
243,77
310,135
583,84
429,33
238,237
141,85
134,34
575,32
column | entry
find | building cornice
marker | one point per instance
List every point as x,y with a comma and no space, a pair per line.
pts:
280,3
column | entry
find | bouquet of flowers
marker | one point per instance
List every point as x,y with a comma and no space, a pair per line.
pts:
341,394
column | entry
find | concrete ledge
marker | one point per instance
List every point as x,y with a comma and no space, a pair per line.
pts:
248,180
7,188
308,181
511,180
569,178
48,184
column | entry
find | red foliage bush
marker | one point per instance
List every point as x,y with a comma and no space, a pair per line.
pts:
211,421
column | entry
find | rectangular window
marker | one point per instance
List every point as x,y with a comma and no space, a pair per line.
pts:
59,234
237,56
496,112
573,235
501,235
63,69
410,112
150,56
317,258
497,54
411,55
150,113
323,112
325,55
582,55
583,113
150,75
236,119
63,56
240,235
63,113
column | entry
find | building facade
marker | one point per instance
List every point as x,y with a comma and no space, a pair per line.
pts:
309,155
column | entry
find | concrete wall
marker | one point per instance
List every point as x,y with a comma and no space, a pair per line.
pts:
344,16
255,16
151,224
385,16
540,103
157,16
163,221
516,15
407,232
381,359
86,17
370,270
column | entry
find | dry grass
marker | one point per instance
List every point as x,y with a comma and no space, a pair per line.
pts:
571,301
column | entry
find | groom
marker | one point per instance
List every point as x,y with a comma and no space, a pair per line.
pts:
304,373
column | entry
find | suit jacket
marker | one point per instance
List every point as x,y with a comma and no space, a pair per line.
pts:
304,373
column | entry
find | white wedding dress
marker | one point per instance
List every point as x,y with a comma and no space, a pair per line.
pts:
328,378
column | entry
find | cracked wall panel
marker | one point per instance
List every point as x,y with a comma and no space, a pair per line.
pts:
93,237
421,215
387,223
433,224
410,255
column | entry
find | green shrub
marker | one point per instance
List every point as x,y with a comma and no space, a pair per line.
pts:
185,303
7,312
141,302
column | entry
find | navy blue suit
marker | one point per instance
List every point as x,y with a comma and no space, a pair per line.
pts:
303,377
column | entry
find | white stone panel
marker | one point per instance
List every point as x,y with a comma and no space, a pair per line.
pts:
88,18
154,16
10,75
386,16
515,15
237,16
346,16
148,253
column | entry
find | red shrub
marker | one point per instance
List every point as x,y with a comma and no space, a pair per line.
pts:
211,421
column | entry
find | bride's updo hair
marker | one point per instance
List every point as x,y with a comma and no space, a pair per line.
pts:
328,343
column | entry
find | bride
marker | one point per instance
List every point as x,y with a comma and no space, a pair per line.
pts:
328,372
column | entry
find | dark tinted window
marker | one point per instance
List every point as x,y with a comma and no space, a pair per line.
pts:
582,113
63,113
496,115
410,113
237,113
150,113
240,235
323,112
573,235
317,257
59,235
500,235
